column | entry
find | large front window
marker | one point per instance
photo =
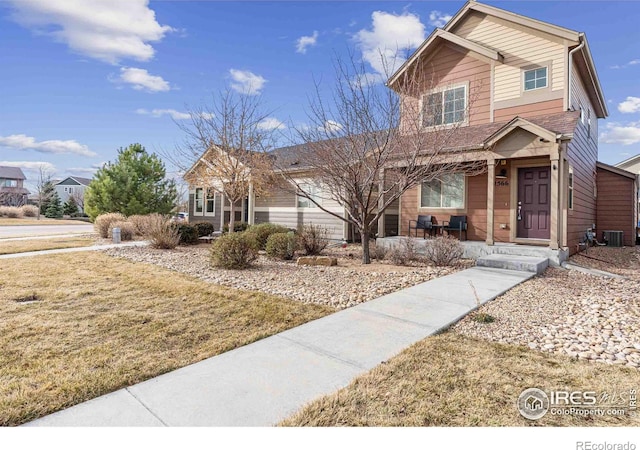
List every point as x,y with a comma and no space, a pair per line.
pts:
199,200
314,193
445,107
211,201
447,191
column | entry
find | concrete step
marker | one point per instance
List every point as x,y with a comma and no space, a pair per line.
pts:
534,264
521,250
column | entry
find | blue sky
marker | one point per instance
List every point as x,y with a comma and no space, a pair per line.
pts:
81,78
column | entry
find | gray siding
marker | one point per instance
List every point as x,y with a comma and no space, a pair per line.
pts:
295,218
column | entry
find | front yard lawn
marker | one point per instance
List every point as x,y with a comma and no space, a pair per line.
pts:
33,245
76,326
34,221
453,380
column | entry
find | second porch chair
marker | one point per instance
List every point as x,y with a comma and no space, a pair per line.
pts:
456,223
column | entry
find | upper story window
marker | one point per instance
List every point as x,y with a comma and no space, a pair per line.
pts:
535,79
444,107
314,192
8,183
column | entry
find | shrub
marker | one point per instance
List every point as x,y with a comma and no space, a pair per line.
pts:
262,231
444,251
188,234
313,239
404,252
234,251
127,230
141,223
237,227
379,252
13,212
29,210
103,223
161,233
203,228
282,245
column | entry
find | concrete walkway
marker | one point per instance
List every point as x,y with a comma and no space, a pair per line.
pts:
75,249
267,381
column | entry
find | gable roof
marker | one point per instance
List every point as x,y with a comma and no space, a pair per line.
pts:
616,170
628,162
13,173
79,180
585,64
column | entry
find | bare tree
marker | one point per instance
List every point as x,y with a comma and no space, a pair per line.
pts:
369,144
225,147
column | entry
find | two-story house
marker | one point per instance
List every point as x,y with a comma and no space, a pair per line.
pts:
72,187
12,190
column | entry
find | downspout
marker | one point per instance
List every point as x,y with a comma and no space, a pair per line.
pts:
569,104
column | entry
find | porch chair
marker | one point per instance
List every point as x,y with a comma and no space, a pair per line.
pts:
456,223
424,223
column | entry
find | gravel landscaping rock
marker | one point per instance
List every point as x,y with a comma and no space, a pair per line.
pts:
567,312
341,286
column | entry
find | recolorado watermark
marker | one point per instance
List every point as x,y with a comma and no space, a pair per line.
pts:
588,445
534,404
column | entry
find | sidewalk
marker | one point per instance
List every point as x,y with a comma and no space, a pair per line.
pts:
75,249
263,383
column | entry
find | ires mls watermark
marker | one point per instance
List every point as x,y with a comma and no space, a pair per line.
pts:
534,403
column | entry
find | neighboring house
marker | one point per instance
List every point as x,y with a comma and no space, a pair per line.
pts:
617,206
12,190
526,99
633,165
72,187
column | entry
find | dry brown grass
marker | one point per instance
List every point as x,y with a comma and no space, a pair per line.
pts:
103,323
452,380
34,221
43,244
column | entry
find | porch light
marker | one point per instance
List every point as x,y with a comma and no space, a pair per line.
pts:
501,175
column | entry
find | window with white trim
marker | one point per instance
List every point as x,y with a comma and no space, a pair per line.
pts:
570,183
210,207
588,122
444,192
535,79
445,107
313,191
9,183
198,201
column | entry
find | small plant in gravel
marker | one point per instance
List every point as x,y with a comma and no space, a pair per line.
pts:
282,245
188,234
203,228
12,212
234,251
404,252
483,317
127,230
29,210
161,233
313,239
444,251
262,231
238,227
103,223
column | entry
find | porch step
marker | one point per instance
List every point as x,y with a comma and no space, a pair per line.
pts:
533,264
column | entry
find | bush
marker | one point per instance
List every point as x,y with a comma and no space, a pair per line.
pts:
404,252
141,223
203,228
188,234
262,231
282,245
103,223
127,230
13,212
379,252
161,233
313,239
29,210
234,251
237,227
444,251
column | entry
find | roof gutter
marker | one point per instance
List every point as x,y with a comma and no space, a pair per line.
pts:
579,47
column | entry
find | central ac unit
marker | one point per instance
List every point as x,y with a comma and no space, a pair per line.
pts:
613,238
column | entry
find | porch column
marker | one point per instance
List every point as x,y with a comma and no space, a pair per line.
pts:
491,183
251,205
221,212
381,204
555,191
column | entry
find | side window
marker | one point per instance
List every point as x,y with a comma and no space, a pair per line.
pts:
535,79
570,197
199,206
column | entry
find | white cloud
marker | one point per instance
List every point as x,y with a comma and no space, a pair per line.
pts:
439,19
175,115
141,80
390,36
30,166
622,134
633,62
85,170
630,105
107,30
246,82
331,126
271,123
306,41
24,142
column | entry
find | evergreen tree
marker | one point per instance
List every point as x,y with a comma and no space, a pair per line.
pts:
70,207
48,189
134,184
54,207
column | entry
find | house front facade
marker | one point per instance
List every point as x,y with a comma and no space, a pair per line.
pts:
12,190
72,187
525,98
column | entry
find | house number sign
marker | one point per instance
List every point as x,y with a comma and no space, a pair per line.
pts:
502,183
